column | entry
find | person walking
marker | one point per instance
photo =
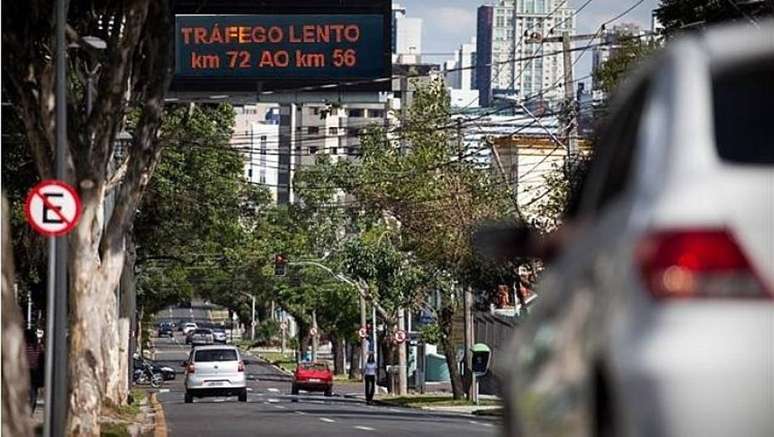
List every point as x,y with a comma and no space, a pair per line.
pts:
369,372
36,363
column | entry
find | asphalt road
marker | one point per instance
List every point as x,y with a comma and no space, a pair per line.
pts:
271,411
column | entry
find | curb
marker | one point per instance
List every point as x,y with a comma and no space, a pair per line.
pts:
260,358
160,428
383,403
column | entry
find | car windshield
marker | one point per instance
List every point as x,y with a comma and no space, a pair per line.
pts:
742,114
211,355
314,366
202,331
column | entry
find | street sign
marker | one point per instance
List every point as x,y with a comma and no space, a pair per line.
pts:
284,326
399,336
313,332
53,208
275,45
363,332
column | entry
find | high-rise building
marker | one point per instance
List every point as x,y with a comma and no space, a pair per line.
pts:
406,37
511,64
256,135
460,76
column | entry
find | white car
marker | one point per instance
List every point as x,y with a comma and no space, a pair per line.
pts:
657,318
188,327
219,336
202,336
215,371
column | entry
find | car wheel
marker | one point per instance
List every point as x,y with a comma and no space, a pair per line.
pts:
329,392
243,396
188,397
294,390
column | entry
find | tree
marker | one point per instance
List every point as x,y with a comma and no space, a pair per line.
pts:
195,227
687,15
16,378
137,59
437,192
623,61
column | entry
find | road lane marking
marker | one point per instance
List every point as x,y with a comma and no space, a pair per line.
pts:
488,425
365,428
273,390
326,420
249,389
280,407
163,390
301,413
273,401
395,410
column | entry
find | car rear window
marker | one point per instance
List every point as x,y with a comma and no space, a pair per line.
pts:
742,99
202,331
211,355
314,366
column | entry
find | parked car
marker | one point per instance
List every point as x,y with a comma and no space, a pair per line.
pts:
201,336
215,371
188,327
165,331
219,335
313,376
655,319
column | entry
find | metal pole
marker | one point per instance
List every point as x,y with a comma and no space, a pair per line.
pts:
89,95
56,347
363,340
315,337
468,304
29,309
373,338
252,318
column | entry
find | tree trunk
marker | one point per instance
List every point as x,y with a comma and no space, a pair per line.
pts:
354,361
445,320
16,378
339,354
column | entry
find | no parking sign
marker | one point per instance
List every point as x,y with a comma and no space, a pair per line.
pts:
53,208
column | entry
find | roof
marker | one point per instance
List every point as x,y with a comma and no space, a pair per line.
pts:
215,347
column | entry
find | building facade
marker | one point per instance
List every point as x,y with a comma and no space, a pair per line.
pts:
406,37
510,64
461,77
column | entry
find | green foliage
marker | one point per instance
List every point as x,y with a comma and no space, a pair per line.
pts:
688,15
195,229
615,70
268,331
431,333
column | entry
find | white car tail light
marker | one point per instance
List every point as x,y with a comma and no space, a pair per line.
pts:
705,263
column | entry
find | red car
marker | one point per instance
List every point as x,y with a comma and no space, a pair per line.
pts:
313,377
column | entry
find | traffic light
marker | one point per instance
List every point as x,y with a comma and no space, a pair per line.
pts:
481,357
280,265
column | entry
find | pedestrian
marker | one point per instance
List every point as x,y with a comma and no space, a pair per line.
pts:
35,361
369,373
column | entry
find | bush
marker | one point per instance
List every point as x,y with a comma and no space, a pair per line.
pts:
267,332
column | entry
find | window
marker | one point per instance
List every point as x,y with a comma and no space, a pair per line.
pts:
354,131
333,131
376,113
313,130
212,355
250,173
334,150
741,99
262,177
316,110
357,113
312,150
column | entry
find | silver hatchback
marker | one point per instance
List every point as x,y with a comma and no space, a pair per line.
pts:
215,371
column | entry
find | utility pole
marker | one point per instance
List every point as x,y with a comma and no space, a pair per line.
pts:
364,339
252,315
469,340
315,336
402,374
569,99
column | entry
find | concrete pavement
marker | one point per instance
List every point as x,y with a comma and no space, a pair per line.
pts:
272,411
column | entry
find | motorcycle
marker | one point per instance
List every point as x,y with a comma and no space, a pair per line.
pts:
145,375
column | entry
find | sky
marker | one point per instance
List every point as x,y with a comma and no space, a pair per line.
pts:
448,23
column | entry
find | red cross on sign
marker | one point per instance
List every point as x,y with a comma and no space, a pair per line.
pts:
53,208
